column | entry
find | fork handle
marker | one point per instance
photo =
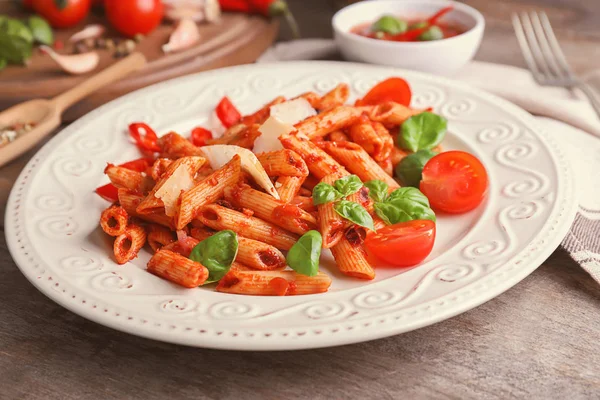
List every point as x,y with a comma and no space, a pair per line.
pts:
592,96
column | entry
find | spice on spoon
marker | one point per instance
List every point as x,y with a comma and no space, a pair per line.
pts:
10,133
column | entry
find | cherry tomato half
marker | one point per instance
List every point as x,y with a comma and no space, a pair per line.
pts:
454,182
404,244
62,13
392,89
131,17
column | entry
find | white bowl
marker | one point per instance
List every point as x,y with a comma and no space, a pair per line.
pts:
442,57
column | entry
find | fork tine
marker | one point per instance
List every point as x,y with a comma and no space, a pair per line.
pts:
520,34
558,53
546,51
534,46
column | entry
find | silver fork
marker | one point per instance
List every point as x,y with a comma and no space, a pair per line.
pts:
544,56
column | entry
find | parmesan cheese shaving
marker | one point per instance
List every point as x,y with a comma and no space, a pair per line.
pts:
170,191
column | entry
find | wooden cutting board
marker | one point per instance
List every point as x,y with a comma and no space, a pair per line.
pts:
236,39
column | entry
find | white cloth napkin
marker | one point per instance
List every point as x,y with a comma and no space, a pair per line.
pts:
572,123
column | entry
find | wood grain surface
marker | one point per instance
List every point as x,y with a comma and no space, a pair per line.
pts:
539,340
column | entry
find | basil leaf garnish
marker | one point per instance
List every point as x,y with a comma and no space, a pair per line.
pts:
410,169
413,209
390,214
422,131
14,49
41,30
216,253
378,190
304,255
354,212
410,193
348,185
324,193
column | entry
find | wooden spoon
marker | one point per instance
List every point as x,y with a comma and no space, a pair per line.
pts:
46,114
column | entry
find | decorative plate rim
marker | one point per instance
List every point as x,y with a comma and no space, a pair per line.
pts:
327,334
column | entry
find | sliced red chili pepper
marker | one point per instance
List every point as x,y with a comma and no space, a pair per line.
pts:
144,137
433,19
139,165
200,136
235,5
108,192
227,113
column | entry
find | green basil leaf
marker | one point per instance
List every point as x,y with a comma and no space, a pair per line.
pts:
15,28
348,185
324,193
41,30
378,190
409,193
413,209
304,255
410,169
422,131
354,212
433,33
391,214
216,253
389,24
14,49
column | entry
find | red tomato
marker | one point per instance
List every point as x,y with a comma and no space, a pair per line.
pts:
404,244
200,136
108,192
131,17
454,182
62,13
392,89
227,113
144,137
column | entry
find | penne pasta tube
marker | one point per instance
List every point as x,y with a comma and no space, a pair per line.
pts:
319,163
397,155
288,187
331,224
260,116
335,98
313,99
159,236
328,121
269,209
386,138
130,201
220,218
125,178
128,244
177,269
201,233
237,266
244,136
338,136
173,145
159,168
114,220
310,182
305,203
258,255
392,114
350,256
363,134
387,166
358,162
283,163
273,283
207,191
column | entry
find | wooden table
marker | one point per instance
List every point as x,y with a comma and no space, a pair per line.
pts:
538,340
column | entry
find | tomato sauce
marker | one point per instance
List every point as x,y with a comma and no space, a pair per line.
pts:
448,29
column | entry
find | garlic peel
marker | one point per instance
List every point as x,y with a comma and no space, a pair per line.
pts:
76,63
185,35
88,32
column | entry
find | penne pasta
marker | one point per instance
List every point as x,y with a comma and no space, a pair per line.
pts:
283,162
328,121
173,145
335,98
331,224
387,166
244,136
128,244
221,218
269,209
177,269
130,201
363,134
310,182
208,191
159,168
397,155
273,283
313,99
392,114
350,256
305,203
386,138
338,136
260,116
258,255
288,187
159,236
319,163
114,220
125,178
357,161
201,233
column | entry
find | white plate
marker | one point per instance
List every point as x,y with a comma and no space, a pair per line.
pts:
52,219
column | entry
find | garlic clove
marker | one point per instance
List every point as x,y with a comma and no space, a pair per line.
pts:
89,32
185,35
76,63
197,10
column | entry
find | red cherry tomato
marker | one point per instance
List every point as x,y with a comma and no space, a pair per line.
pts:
144,137
392,89
404,244
227,113
454,182
62,13
131,17
108,192
200,136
